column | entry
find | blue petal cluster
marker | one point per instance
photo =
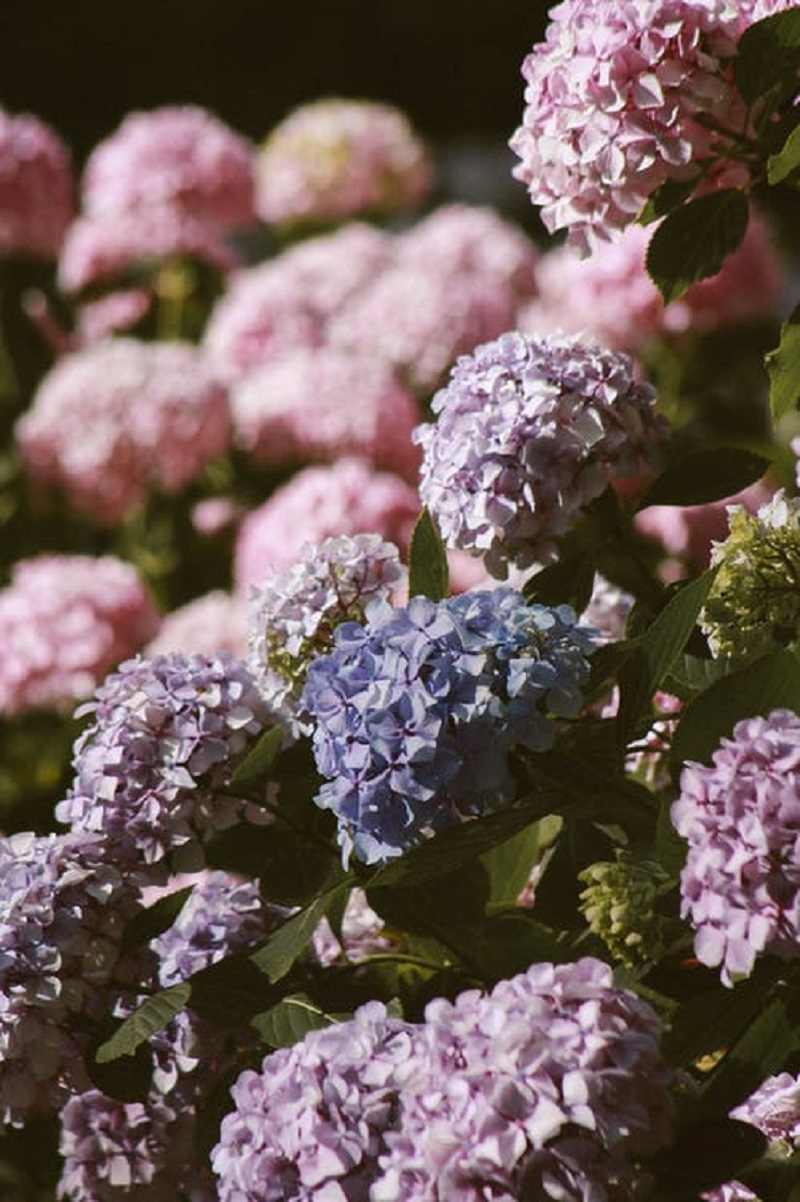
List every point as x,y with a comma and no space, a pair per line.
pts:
416,711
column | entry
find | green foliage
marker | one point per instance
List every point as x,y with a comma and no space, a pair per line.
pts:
783,365
708,474
695,240
427,561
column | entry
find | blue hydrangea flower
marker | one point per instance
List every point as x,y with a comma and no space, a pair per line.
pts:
417,710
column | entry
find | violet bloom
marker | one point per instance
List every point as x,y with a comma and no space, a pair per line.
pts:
63,913
151,772
36,188
118,419
528,432
417,710
741,819
613,96
335,159
65,622
774,1109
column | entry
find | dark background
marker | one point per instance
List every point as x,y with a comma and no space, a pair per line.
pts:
452,65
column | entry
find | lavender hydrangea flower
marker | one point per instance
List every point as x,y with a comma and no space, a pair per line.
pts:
417,710
151,770
741,819
774,1109
64,908
293,614
310,1126
528,432
546,1087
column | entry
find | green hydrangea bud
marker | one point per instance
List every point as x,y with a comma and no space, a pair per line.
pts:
754,602
619,904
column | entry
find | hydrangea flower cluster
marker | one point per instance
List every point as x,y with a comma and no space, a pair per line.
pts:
65,622
293,614
336,159
548,1086
741,819
774,1109
528,432
316,406
212,623
613,96
362,933
755,598
36,188
151,769
417,710
116,419
347,498
64,909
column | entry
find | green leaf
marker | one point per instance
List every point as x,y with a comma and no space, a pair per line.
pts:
152,1016
657,650
708,475
774,1180
508,865
291,1020
230,992
715,1018
290,940
762,1050
150,923
787,160
694,241
772,682
511,942
704,1154
427,561
667,196
448,909
783,366
292,866
767,58
252,774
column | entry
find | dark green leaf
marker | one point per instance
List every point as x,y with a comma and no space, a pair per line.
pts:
291,1020
772,682
774,1180
230,992
694,241
508,865
152,1016
704,1154
150,923
290,940
708,475
447,909
511,942
670,847
251,775
767,58
783,365
762,1050
427,561
787,160
292,866
668,196
567,582
126,1078
712,1019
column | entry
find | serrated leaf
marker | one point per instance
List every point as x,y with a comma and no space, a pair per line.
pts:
667,196
787,160
150,923
772,682
152,1016
428,573
252,773
291,939
291,1020
702,476
783,366
694,241
767,58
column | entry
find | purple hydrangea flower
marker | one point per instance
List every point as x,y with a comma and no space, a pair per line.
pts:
774,1109
741,819
64,908
528,432
151,770
417,710
310,1125
546,1087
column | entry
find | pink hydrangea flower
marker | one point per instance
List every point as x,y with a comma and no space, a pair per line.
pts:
116,419
116,313
65,622
212,623
319,405
288,302
182,159
349,497
36,188
612,96
334,159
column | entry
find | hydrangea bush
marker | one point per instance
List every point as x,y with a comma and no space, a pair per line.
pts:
400,697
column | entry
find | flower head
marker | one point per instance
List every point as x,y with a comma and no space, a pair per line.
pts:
741,819
528,432
36,188
416,711
209,624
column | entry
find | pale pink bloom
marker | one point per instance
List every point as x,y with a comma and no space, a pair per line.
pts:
288,302
348,498
212,515
316,406
212,623
117,419
65,622
180,158
687,531
335,159
112,314
36,188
